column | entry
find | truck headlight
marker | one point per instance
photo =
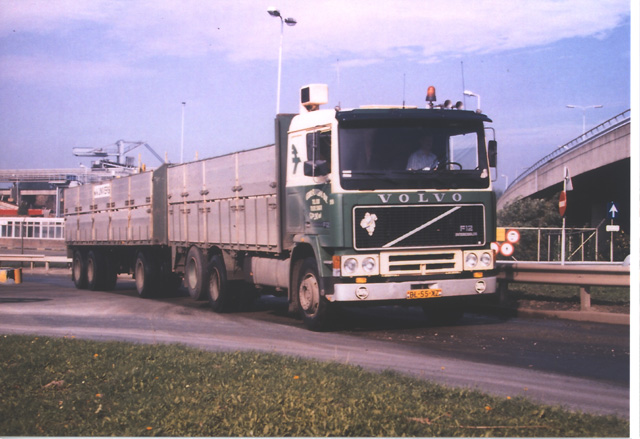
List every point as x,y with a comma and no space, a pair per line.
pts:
350,266
486,259
471,260
368,264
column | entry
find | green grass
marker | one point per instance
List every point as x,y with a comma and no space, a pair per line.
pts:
619,296
69,387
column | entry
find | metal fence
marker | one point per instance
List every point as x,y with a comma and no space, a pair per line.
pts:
544,244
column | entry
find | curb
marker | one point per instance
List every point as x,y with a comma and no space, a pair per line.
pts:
10,275
581,316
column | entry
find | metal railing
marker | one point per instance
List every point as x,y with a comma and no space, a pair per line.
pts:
583,275
598,131
582,244
33,259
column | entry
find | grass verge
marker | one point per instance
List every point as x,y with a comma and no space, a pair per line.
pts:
69,387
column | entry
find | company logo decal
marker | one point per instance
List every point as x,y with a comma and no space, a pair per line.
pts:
369,223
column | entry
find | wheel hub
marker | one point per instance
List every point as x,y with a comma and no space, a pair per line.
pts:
309,293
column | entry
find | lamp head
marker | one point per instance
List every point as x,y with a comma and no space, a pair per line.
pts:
273,11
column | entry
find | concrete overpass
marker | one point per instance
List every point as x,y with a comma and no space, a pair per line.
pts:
599,165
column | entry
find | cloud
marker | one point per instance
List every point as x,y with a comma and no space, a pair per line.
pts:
38,69
353,30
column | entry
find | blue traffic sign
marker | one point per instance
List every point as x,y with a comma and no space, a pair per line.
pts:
612,210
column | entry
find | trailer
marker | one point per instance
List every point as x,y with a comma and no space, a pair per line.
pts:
335,211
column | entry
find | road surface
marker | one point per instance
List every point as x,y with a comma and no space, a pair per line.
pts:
581,366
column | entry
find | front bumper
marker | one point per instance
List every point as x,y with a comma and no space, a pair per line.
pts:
370,292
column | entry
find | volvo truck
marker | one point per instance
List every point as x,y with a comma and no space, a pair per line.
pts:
341,209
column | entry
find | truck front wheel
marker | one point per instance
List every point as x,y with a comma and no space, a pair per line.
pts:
313,307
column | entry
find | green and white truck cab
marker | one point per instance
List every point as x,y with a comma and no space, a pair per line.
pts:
380,230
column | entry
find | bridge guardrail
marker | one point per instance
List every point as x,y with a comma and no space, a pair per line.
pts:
593,133
580,274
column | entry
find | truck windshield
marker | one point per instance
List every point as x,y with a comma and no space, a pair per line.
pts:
413,154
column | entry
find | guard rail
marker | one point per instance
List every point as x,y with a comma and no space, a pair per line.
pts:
580,274
32,259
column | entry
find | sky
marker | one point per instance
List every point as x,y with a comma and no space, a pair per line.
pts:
87,73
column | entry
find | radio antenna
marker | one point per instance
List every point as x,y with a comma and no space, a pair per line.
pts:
338,75
464,97
404,86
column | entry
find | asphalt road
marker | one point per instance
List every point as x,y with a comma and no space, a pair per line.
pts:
581,366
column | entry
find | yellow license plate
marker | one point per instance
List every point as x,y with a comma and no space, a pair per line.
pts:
424,294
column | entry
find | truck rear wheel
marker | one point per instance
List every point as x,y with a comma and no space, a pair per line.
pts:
96,270
314,308
196,274
219,294
78,270
145,275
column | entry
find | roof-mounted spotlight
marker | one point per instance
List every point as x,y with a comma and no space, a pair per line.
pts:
470,93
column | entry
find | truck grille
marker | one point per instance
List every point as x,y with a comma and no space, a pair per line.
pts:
410,227
420,263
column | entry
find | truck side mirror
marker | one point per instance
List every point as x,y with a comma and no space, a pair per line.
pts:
493,153
317,168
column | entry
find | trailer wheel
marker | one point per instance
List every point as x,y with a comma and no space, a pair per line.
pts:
95,269
145,275
219,295
196,274
313,307
78,271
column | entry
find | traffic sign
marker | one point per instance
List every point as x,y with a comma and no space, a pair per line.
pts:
562,203
506,249
513,236
612,210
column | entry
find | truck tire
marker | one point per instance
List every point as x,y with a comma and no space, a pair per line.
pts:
145,274
219,295
196,274
78,270
96,270
314,308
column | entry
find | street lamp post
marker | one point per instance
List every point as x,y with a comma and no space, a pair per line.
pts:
584,111
506,181
182,136
290,22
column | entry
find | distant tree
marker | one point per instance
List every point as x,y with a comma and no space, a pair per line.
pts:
531,213
526,212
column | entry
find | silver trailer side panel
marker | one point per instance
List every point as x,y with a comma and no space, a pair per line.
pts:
229,201
116,212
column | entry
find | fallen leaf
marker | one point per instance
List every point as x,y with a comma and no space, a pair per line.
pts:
57,384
